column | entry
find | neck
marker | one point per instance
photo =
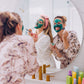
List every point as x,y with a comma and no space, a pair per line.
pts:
39,30
60,34
18,33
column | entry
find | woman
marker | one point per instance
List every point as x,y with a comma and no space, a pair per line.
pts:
43,40
66,44
17,53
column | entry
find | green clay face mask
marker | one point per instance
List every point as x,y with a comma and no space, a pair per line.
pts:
39,24
22,27
58,27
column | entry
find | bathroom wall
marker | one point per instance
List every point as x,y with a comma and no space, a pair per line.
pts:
79,61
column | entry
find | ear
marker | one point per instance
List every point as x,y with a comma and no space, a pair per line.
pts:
64,25
18,27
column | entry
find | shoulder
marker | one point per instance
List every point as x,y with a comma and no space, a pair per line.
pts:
46,37
23,39
72,34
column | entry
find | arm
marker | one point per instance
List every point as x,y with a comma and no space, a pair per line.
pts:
65,40
32,64
33,35
66,43
56,51
74,44
27,52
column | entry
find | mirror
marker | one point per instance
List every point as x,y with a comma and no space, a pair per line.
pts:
67,47
52,9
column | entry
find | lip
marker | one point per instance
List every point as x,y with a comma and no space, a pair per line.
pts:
36,25
57,28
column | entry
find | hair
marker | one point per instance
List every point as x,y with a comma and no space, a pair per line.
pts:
48,31
64,19
8,23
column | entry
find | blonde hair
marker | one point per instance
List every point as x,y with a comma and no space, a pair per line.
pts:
48,31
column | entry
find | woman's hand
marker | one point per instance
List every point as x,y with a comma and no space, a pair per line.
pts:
30,32
33,35
52,47
65,35
55,49
65,40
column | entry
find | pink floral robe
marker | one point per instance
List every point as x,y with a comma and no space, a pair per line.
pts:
17,58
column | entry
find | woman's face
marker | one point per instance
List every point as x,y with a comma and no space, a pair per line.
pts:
58,24
40,23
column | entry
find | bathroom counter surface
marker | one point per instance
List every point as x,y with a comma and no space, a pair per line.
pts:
35,81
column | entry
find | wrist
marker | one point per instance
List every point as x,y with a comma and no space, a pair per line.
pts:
65,37
55,49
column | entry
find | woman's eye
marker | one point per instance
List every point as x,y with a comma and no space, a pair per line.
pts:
40,22
58,23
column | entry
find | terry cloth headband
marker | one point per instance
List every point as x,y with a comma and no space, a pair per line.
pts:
46,21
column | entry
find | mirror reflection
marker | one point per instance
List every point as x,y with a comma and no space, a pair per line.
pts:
66,44
43,38
55,27
57,31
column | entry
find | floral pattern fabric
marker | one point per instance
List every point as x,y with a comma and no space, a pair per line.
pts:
17,58
67,54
